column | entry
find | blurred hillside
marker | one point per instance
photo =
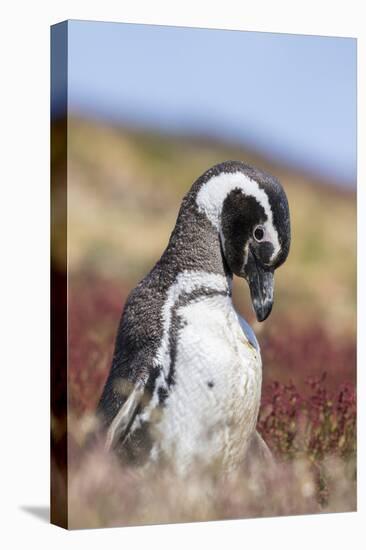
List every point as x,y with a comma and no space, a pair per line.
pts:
124,191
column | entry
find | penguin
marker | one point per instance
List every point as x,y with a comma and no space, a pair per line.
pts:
185,382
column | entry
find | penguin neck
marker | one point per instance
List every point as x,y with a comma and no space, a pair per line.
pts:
195,243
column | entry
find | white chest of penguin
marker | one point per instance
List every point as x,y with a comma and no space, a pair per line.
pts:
212,405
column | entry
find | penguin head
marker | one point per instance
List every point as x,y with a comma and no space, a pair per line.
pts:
250,211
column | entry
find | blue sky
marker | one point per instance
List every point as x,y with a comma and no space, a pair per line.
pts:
290,96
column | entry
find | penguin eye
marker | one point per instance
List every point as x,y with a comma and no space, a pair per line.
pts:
258,233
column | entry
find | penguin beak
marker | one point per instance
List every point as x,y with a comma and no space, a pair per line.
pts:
261,284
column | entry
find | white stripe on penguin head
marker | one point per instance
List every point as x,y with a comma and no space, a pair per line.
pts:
212,194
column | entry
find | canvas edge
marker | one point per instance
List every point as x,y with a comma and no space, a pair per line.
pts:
59,354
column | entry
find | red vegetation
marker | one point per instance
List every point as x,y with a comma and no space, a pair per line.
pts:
307,418
94,310
290,356
296,353
316,425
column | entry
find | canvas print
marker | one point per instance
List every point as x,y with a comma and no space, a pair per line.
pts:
203,277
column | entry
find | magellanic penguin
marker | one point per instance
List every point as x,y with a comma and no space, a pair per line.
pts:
185,380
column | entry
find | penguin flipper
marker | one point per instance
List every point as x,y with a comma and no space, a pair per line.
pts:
249,332
122,421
